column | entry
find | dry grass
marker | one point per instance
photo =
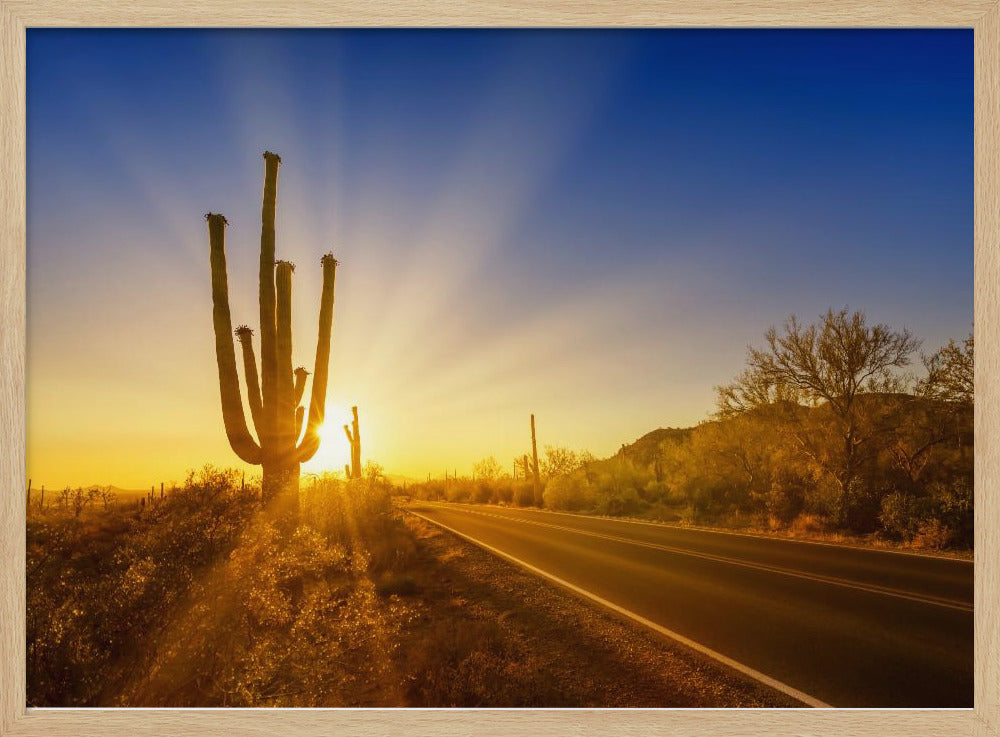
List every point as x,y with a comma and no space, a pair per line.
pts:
202,601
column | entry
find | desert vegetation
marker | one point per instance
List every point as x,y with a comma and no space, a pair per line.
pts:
203,599
823,434
102,584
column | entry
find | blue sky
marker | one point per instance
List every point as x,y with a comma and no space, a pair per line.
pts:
588,225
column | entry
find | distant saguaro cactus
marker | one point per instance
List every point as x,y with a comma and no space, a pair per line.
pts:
354,438
274,399
535,481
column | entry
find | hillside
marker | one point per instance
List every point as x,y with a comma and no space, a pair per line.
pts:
644,451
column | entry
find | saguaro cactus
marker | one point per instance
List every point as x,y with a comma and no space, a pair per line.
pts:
535,482
354,438
275,396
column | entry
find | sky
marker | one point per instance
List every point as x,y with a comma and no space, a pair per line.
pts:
587,225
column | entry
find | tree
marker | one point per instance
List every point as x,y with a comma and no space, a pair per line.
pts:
108,497
559,461
487,469
834,363
950,373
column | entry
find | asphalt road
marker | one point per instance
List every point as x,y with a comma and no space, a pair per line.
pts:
846,626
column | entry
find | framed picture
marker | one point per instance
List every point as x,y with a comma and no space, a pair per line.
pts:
625,382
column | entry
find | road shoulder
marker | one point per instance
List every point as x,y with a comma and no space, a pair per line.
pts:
547,646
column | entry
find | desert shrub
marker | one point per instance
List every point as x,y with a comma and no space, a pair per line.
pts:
570,492
503,491
861,505
483,492
100,589
932,534
459,490
663,513
807,524
655,492
357,515
615,503
706,496
823,499
898,515
294,619
786,497
433,490
953,503
524,493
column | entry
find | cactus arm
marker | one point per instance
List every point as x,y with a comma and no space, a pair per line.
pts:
268,355
300,414
225,352
245,336
317,404
285,408
350,438
300,385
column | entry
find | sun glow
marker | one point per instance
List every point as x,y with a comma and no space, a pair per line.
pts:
334,450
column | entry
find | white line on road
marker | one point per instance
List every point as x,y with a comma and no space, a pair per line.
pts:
817,578
725,660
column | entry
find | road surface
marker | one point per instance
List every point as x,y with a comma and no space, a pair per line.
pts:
840,626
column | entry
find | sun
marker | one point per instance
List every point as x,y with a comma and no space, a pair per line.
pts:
334,450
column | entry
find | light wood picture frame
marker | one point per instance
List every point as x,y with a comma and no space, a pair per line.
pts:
983,16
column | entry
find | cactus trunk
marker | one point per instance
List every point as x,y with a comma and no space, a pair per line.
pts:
268,325
536,483
284,409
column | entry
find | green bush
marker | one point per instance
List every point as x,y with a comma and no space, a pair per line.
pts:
787,497
570,493
898,515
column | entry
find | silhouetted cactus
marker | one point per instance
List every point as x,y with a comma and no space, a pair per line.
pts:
273,399
354,438
535,482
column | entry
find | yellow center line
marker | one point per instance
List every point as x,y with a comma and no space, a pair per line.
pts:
818,578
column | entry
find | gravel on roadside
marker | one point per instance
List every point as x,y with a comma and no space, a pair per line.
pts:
496,635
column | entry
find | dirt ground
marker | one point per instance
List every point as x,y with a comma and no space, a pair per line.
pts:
487,633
